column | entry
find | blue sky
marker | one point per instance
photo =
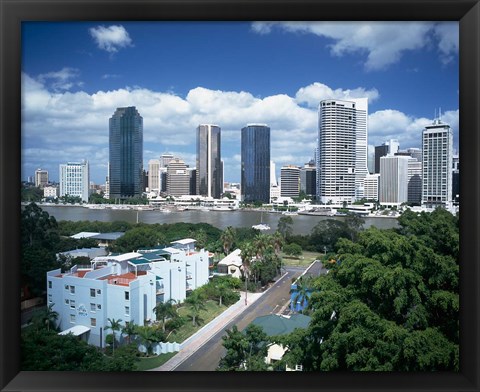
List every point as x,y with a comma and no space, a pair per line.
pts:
181,74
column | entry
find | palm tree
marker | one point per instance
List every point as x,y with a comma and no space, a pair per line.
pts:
196,304
114,326
222,290
247,253
227,237
301,292
164,311
46,318
277,241
149,335
130,329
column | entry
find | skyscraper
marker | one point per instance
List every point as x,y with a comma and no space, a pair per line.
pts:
126,153
178,178
437,155
41,178
75,179
290,181
255,166
393,180
342,149
209,165
308,178
154,175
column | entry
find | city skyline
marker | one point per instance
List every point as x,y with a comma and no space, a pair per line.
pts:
230,74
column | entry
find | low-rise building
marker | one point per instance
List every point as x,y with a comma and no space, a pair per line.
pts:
231,264
125,287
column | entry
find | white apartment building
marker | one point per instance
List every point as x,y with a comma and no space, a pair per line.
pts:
50,192
342,149
393,180
437,155
124,287
75,179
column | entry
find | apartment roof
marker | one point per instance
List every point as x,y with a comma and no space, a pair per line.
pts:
274,324
77,330
233,258
108,236
185,241
83,234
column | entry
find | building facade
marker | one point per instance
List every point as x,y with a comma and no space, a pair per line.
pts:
209,161
126,153
342,150
393,180
154,175
75,180
125,287
437,155
255,163
290,181
308,179
414,181
178,178
371,186
41,178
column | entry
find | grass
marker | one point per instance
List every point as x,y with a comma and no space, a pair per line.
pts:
147,363
188,329
304,260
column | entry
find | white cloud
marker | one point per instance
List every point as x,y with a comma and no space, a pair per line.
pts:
74,125
382,42
61,80
314,93
110,38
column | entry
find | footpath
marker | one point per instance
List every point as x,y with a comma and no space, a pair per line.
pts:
197,340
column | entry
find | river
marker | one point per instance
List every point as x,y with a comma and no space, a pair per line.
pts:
302,224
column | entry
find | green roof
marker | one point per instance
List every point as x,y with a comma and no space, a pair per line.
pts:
279,325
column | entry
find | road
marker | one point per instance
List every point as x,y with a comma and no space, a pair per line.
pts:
207,357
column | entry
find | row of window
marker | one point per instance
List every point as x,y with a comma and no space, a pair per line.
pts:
93,320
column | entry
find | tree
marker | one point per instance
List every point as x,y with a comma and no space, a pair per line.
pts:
149,336
245,351
247,253
285,224
130,330
164,311
302,290
38,227
196,304
46,318
228,237
277,241
293,250
114,326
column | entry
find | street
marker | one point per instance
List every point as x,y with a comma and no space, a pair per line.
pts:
207,357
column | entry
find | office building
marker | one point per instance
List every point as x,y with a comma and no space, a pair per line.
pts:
414,181
178,178
126,153
342,149
154,175
124,287
387,148
308,179
255,163
41,178
437,155
393,180
456,178
273,174
75,180
371,186
290,181
208,165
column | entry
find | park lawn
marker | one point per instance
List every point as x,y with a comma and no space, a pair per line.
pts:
147,363
188,329
304,260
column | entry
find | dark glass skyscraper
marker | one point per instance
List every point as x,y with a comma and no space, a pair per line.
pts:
255,179
209,161
126,153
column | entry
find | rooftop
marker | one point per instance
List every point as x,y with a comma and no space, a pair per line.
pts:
274,324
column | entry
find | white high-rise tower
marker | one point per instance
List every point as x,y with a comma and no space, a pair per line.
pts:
342,150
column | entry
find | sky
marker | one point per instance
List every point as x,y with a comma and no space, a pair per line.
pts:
182,74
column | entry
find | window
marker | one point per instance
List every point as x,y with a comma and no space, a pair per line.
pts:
127,295
72,318
72,304
99,291
93,307
67,301
49,284
67,287
93,322
99,306
72,289
127,310
50,298
92,292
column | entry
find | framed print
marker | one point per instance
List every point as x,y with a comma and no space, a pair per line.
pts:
44,57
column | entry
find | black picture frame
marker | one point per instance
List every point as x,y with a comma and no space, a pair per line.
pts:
13,12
